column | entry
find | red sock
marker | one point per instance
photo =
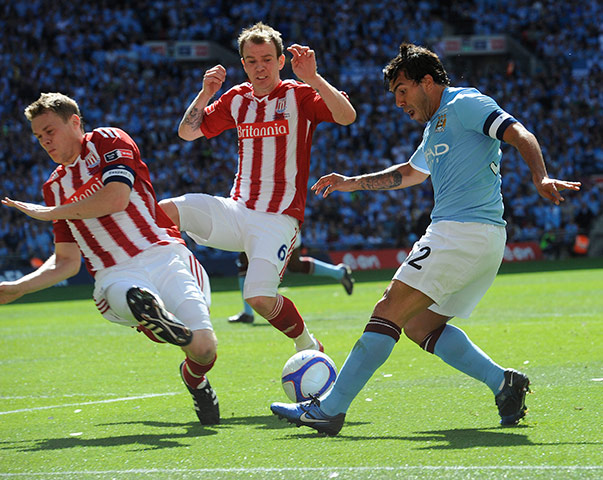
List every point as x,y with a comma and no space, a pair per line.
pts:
193,373
286,318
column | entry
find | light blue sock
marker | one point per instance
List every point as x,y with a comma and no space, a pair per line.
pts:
369,353
323,269
455,348
246,307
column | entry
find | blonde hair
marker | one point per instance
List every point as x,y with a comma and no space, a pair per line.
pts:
58,103
261,33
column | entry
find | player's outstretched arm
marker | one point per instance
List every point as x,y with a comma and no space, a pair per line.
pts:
189,128
527,145
33,210
334,182
392,178
113,197
303,64
63,264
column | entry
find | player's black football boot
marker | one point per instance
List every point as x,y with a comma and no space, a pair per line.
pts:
511,400
347,281
150,314
205,401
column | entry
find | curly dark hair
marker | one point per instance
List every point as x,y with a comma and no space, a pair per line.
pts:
416,62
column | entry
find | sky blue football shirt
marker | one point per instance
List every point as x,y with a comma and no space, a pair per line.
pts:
461,152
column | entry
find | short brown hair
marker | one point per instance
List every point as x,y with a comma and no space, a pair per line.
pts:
58,103
261,33
415,62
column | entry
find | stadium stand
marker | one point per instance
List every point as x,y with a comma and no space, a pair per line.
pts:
97,52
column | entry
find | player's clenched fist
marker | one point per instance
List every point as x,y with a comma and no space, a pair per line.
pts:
213,79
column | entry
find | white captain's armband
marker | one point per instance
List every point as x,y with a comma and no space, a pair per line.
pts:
118,173
496,124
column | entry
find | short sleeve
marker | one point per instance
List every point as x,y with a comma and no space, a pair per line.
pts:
61,232
119,155
313,106
482,114
217,116
60,229
417,160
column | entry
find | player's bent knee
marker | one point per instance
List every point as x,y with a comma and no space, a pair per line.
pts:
262,305
203,347
171,211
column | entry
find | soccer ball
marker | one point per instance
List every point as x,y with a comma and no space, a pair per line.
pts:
306,373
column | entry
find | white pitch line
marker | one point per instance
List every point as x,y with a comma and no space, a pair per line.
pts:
122,399
431,468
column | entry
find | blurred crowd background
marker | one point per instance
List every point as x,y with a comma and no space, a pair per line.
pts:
95,52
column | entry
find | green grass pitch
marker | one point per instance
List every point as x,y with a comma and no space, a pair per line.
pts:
81,398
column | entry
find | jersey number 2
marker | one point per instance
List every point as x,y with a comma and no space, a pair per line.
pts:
414,262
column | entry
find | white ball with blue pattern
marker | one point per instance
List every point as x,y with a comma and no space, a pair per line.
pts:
307,373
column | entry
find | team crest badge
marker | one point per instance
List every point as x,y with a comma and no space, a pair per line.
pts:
441,123
91,160
281,105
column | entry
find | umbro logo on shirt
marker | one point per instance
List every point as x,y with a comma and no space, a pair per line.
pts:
275,128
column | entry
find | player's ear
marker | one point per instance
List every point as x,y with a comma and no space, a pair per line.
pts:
76,121
281,61
427,81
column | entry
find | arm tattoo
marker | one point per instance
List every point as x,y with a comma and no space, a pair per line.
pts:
193,118
381,181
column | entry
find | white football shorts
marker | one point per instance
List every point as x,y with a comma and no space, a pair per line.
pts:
228,225
454,263
171,272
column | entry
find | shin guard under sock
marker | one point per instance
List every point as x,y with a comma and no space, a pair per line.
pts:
286,318
368,354
455,348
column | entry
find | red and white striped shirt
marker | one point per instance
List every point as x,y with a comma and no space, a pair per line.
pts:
108,240
275,138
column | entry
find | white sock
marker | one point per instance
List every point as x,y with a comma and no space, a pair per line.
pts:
305,341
